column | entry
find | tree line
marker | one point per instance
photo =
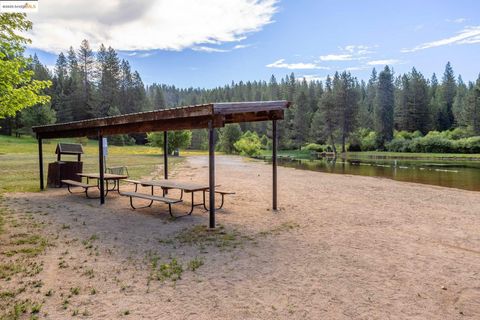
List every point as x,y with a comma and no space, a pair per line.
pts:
88,84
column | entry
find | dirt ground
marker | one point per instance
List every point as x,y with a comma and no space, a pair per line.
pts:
340,247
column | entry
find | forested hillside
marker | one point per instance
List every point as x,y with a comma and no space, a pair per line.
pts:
341,110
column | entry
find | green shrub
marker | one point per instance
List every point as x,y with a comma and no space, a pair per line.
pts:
266,143
249,144
398,145
407,135
369,142
468,145
458,133
228,136
314,147
121,140
176,139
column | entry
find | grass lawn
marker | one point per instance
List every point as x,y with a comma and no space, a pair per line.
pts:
19,160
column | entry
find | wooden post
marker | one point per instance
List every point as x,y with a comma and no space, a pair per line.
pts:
40,162
101,168
165,154
211,171
274,163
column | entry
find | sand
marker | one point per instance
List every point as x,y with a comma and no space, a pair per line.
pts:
340,247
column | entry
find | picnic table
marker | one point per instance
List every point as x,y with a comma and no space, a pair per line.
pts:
107,177
187,187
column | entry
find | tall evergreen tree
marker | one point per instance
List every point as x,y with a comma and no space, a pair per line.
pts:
109,84
384,105
473,107
301,119
325,119
459,104
448,91
346,103
86,66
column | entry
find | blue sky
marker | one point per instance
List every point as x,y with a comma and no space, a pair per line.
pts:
210,43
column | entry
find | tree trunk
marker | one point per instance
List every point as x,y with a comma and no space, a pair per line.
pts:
332,141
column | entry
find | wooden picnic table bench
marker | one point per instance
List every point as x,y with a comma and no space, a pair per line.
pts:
188,187
107,177
223,194
152,198
85,186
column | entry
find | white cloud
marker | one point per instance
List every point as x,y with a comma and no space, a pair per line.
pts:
349,53
241,46
147,24
208,49
211,49
383,62
458,20
137,54
468,35
311,77
294,66
336,57
357,68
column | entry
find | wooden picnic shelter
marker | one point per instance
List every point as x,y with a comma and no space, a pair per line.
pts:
209,116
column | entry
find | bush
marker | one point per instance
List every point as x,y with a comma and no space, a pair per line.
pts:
266,143
249,144
407,135
398,145
121,140
228,136
468,145
176,140
369,142
458,133
314,147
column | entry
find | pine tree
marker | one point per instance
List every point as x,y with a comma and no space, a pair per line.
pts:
473,107
109,84
126,85
158,98
412,103
301,119
60,84
384,105
325,119
346,103
86,66
447,98
73,90
459,104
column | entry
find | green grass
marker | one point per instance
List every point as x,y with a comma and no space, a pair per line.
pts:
202,236
19,160
165,271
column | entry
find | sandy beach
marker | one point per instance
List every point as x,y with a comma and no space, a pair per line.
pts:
340,247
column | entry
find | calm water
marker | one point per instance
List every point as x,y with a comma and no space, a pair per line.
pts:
454,174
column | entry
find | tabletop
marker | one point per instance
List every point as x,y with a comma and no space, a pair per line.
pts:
186,186
106,176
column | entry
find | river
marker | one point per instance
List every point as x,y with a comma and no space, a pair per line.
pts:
453,174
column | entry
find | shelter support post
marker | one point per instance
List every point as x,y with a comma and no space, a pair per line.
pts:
211,172
274,163
40,162
165,154
101,168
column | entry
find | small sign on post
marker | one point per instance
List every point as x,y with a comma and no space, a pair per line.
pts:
105,153
105,147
